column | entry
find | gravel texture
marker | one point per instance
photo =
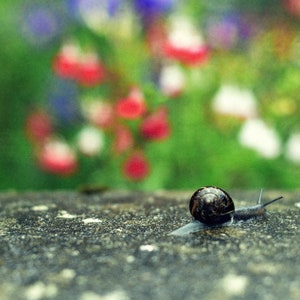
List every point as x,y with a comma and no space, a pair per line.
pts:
114,245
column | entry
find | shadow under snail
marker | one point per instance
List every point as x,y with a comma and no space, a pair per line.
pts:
211,206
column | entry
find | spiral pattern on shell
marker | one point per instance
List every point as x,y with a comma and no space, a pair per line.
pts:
211,205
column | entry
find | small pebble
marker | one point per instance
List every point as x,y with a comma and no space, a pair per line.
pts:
234,285
130,259
67,274
115,295
40,208
91,220
148,248
39,290
65,215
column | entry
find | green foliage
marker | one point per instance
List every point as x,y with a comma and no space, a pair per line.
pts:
203,148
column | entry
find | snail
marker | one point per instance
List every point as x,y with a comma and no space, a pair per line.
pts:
211,206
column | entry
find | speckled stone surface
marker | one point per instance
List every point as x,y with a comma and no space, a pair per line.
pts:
115,245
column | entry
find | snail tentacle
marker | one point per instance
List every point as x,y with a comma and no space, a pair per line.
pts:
271,201
259,197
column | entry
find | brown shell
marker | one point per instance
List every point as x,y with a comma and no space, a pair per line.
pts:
211,205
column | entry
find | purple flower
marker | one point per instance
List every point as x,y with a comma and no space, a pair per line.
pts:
229,30
151,8
78,7
40,24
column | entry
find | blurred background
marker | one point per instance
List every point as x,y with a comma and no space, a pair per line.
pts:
149,94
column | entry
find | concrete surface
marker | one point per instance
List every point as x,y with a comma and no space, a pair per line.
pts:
115,246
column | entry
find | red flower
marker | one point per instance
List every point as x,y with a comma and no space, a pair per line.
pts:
156,126
90,71
136,167
189,56
64,66
86,69
38,126
65,63
123,139
58,158
131,107
185,43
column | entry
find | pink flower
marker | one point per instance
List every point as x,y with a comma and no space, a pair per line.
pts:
292,6
123,139
131,107
156,126
155,38
38,126
136,167
58,158
99,112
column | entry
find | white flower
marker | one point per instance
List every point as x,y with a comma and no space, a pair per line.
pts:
234,101
90,141
171,80
257,135
293,148
183,34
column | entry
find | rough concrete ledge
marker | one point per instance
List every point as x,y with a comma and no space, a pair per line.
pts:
115,245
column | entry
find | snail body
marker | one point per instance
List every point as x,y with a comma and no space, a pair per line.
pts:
212,207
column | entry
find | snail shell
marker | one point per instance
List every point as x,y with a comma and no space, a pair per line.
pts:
211,206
